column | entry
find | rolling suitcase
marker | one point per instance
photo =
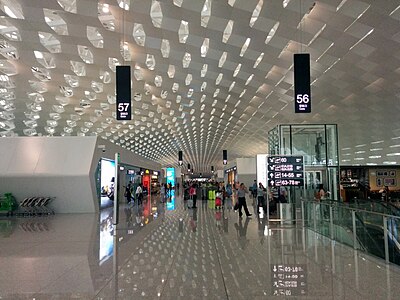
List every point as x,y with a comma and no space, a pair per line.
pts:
218,202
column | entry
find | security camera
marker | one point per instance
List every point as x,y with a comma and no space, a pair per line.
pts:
102,147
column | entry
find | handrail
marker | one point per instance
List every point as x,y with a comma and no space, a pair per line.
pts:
369,235
352,208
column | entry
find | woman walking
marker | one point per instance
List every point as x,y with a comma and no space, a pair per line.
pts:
242,200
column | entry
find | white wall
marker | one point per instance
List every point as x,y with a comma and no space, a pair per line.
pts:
246,170
61,167
42,166
246,165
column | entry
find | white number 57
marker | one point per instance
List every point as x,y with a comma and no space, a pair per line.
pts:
123,107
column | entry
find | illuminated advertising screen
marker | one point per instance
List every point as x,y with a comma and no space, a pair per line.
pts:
171,180
171,176
107,183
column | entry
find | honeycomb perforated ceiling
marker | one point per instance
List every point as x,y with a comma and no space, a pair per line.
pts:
206,75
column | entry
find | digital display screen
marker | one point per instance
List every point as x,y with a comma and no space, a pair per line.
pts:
171,176
285,171
107,183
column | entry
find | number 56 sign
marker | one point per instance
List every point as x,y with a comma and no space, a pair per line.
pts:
302,89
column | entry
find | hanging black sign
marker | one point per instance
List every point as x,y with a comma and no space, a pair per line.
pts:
123,87
302,88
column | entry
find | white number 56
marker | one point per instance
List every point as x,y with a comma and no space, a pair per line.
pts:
302,98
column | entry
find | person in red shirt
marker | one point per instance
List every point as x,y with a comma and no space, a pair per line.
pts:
193,194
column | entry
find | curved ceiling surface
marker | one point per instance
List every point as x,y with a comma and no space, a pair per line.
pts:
206,75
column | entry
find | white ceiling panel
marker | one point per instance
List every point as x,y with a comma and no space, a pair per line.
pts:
193,89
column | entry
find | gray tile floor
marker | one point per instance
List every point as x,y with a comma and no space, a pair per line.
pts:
181,254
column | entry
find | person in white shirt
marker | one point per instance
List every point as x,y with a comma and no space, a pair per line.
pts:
139,194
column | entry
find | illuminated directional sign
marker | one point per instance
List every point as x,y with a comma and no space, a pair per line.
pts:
285,170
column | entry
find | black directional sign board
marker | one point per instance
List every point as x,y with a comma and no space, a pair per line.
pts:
285,170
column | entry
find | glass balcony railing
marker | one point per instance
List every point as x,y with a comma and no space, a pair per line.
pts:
368,226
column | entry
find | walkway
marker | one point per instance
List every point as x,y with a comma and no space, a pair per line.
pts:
182,253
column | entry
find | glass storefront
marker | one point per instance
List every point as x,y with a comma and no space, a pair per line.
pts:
318,145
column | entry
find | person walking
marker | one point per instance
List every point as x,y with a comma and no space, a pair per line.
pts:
128,192
193,194
254,189
260,195
139,194
241,193
229,195
162,193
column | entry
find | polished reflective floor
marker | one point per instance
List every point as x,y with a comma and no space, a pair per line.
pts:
167,251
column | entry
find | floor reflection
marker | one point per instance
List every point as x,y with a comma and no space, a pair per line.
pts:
181,254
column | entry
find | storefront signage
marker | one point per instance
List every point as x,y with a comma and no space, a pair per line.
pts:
289,280
285,170
302,87
155,173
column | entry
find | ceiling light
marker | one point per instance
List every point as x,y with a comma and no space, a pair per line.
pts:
272,33
183,31
227,32
256,13
237,70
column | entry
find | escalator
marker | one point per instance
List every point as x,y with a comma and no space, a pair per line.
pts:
372,237
369,216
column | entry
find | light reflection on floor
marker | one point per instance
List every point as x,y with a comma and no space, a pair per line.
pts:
181,253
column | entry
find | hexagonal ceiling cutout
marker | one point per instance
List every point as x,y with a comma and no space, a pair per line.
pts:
206,75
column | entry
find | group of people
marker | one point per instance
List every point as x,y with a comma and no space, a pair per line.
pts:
130,196
225,191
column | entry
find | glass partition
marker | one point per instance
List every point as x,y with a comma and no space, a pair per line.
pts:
364,228
318,144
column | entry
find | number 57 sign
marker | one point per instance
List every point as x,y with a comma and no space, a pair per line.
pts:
302,89
123,87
